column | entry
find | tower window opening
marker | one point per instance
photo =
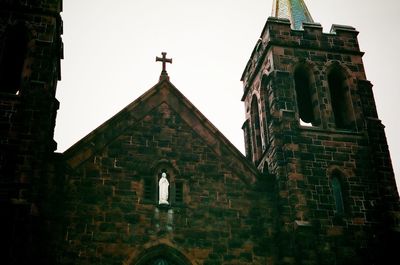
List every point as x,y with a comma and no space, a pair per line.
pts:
302,81
255,129
12,57
265,86
340,99
247,138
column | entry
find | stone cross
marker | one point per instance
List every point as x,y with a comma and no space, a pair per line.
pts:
164,61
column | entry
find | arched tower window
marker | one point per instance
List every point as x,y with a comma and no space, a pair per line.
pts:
265,88
247,138
340,99
12,57
255,129
304,95
337,192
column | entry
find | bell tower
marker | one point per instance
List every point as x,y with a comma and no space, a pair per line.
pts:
30,54
311,122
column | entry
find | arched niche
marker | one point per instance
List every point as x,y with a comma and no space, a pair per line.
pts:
176,189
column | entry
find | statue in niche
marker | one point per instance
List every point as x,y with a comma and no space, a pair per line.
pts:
163,185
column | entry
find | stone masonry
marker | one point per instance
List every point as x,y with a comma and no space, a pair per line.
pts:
110,219
30,31
304,158
316,185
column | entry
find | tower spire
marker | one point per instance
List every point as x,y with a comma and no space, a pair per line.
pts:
294,10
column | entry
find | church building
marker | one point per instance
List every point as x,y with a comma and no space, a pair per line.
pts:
159,184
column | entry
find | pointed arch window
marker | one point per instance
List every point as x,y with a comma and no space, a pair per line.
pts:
266,88
161,261
255,129
12,57
337,193
161,255
149,189
340,99
247,138
304,95
179,192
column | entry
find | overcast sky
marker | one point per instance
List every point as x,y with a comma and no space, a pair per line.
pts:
110,48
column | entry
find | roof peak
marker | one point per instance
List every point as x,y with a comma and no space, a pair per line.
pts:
294,10
164,60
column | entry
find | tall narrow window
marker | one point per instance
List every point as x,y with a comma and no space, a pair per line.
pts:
265,87
304,96
340,99
247,138
255,128
148,190
12,57
178,192
337,194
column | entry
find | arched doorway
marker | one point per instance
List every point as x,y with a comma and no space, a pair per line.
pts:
161,255
161,261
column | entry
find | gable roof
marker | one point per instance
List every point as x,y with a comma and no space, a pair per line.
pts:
162,92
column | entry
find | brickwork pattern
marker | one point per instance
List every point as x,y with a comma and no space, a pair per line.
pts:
222,220
27,121
304,158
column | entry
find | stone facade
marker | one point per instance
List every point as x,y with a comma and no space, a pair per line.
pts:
30,53
316,154
316,185
112,207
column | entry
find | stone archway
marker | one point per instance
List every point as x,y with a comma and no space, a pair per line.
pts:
160,261
161,255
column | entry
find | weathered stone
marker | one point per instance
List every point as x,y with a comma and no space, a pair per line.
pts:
98,202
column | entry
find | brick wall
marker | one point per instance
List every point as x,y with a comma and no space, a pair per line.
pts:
304,158
222,220
27,120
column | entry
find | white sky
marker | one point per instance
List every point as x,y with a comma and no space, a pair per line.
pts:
111,45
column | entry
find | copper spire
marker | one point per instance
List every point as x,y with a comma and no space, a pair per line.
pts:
294,10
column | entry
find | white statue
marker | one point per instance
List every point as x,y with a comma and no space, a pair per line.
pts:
163,185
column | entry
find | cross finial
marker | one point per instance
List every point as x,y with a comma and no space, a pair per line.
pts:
164,61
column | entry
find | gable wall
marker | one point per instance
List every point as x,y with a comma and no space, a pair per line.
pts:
222,219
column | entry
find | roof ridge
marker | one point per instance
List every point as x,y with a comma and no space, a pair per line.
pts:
164,91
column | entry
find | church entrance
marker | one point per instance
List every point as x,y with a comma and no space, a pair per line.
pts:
161,261
161,255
